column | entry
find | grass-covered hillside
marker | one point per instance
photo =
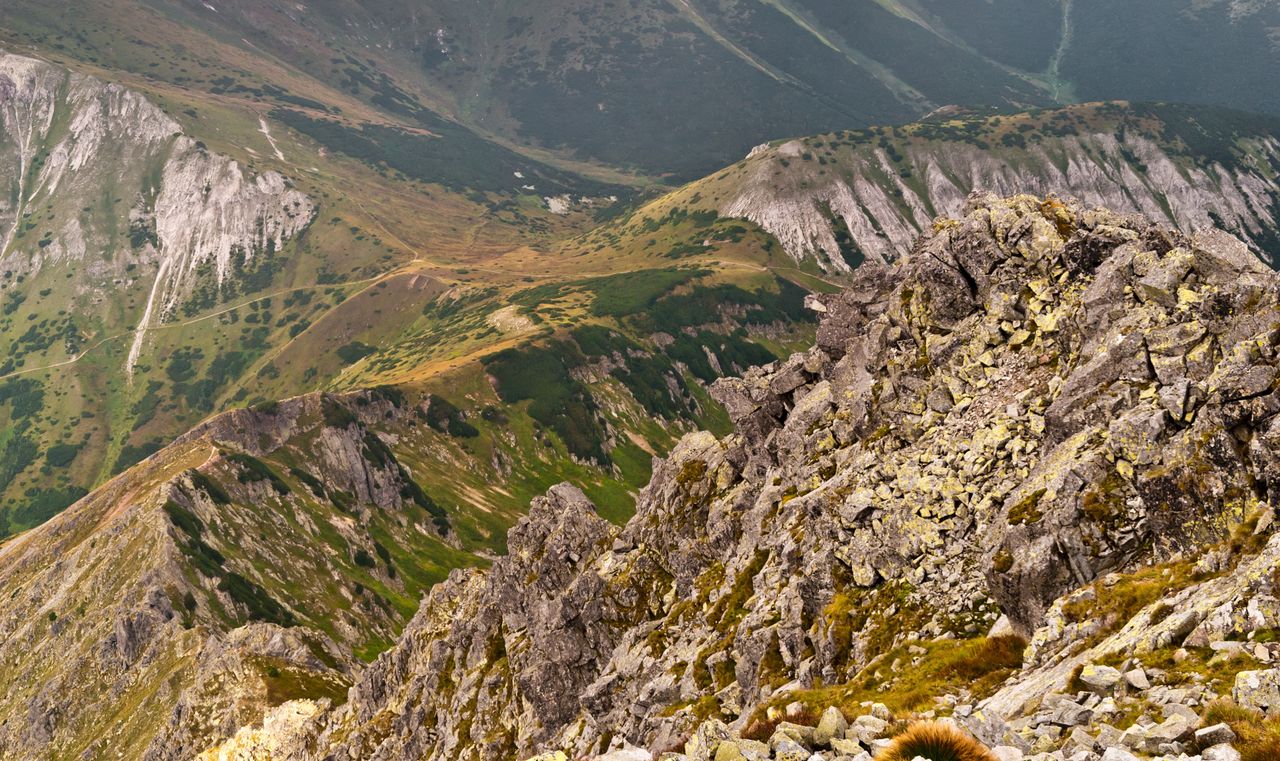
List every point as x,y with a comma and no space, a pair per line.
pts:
121,337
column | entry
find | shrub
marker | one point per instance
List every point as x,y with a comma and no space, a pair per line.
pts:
935,742
335,414
354,352
61,455
444,417
253,470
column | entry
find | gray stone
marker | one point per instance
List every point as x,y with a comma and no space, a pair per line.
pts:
1173,729
1214,735
831,725
1222,752
1100,679
1258,690
869,725
846,747
1137,679
1079,737
797,732
786,749
706,740
1177,709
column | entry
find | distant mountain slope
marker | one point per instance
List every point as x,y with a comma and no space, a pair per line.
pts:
847,197
114,222
675,87
255,560
153,281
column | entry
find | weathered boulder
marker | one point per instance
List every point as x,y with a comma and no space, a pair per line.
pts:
1258,690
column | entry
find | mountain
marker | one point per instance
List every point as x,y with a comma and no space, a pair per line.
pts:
408,220
194,308
678,87
151,281
847,197
1055,413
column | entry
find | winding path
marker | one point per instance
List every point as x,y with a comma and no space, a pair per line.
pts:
192,321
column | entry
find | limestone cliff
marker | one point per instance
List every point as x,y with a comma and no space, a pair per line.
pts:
842,198
102,183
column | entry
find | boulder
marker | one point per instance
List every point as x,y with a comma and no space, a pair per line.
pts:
1137,679
786,749
1222,752
831,725
1258,690
1101,680
1214,735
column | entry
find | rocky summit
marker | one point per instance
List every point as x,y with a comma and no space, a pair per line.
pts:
1022,485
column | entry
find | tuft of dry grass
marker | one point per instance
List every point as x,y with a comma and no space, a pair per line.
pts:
1257,738
936,742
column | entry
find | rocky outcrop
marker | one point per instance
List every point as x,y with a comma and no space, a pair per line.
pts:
1038,395
1014,422
194,218
878,195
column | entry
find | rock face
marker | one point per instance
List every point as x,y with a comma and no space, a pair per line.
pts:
1038,395
69,141
839,199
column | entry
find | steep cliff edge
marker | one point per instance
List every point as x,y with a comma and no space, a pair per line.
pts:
250,564
847,197
114,227
1039,395
75,150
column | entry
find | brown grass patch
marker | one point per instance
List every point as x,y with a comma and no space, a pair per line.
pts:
936,742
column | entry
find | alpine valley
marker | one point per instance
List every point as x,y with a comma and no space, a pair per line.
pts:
700,380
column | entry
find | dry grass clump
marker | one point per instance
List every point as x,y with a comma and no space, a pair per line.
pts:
1257,738
936,742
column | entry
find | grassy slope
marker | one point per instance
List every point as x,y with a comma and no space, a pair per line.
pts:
394,261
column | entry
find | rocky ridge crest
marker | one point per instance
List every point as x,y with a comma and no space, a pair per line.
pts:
879,196
1037,403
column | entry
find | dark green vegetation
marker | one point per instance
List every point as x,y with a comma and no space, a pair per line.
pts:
681,88
441,148
1203,56
643,303
255,601
450,155
446,418
540,375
